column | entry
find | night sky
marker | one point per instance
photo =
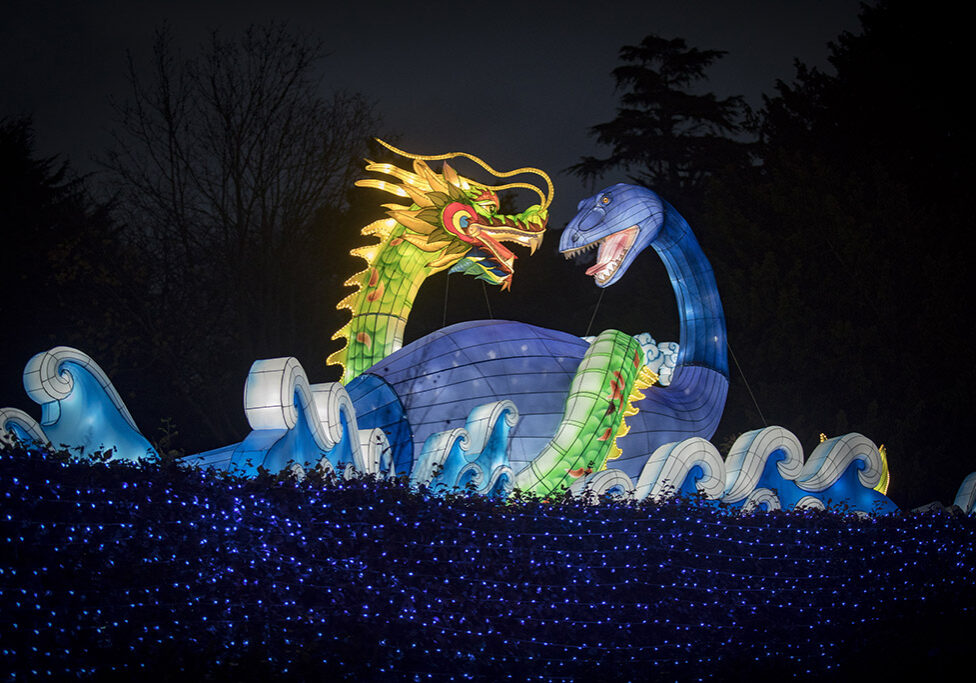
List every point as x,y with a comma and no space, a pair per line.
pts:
518,83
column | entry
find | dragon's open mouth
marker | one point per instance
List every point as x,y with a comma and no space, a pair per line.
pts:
487,238
613,251
487,257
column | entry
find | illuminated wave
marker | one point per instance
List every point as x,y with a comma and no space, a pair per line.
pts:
764,469
80,408
20,425
295,424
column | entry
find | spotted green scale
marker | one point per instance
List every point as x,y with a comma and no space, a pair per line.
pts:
381,305
598,400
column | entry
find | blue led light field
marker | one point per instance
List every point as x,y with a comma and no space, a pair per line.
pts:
137,572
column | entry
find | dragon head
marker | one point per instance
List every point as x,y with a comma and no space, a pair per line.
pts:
456,220
622,221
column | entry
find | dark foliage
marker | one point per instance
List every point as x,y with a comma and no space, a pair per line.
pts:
116,572
840,260
65,274
666,135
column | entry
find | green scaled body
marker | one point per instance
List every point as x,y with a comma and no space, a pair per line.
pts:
610,376
382,303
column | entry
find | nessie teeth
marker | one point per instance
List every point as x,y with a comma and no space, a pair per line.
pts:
576,251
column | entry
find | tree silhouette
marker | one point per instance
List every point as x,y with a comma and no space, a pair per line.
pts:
62,265
664,135
230,171
840,262
884,104
40,203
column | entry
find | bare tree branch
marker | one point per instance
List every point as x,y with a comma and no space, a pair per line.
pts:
225,162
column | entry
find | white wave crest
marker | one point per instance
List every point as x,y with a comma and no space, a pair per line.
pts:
966,496
15,422
665,471
750,452
277,389
48,381
830,460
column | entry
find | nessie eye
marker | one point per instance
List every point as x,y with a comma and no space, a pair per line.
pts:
605,199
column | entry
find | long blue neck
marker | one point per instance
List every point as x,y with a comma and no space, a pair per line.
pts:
703,339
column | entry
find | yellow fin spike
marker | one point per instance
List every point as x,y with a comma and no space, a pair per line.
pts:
335,358
354,281
646,378
368,252
383,227
374,184
631,409
409,219
418,196
450,175
347,302
426,173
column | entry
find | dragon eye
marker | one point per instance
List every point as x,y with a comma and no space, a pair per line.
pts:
605,199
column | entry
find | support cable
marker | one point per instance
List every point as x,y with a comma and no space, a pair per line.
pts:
447,282
749,388
593,317
484,288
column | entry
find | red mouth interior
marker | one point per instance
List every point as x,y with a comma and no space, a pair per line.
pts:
612,251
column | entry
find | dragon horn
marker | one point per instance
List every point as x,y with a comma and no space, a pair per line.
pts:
545,197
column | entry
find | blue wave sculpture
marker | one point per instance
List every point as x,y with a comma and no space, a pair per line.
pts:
80,408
